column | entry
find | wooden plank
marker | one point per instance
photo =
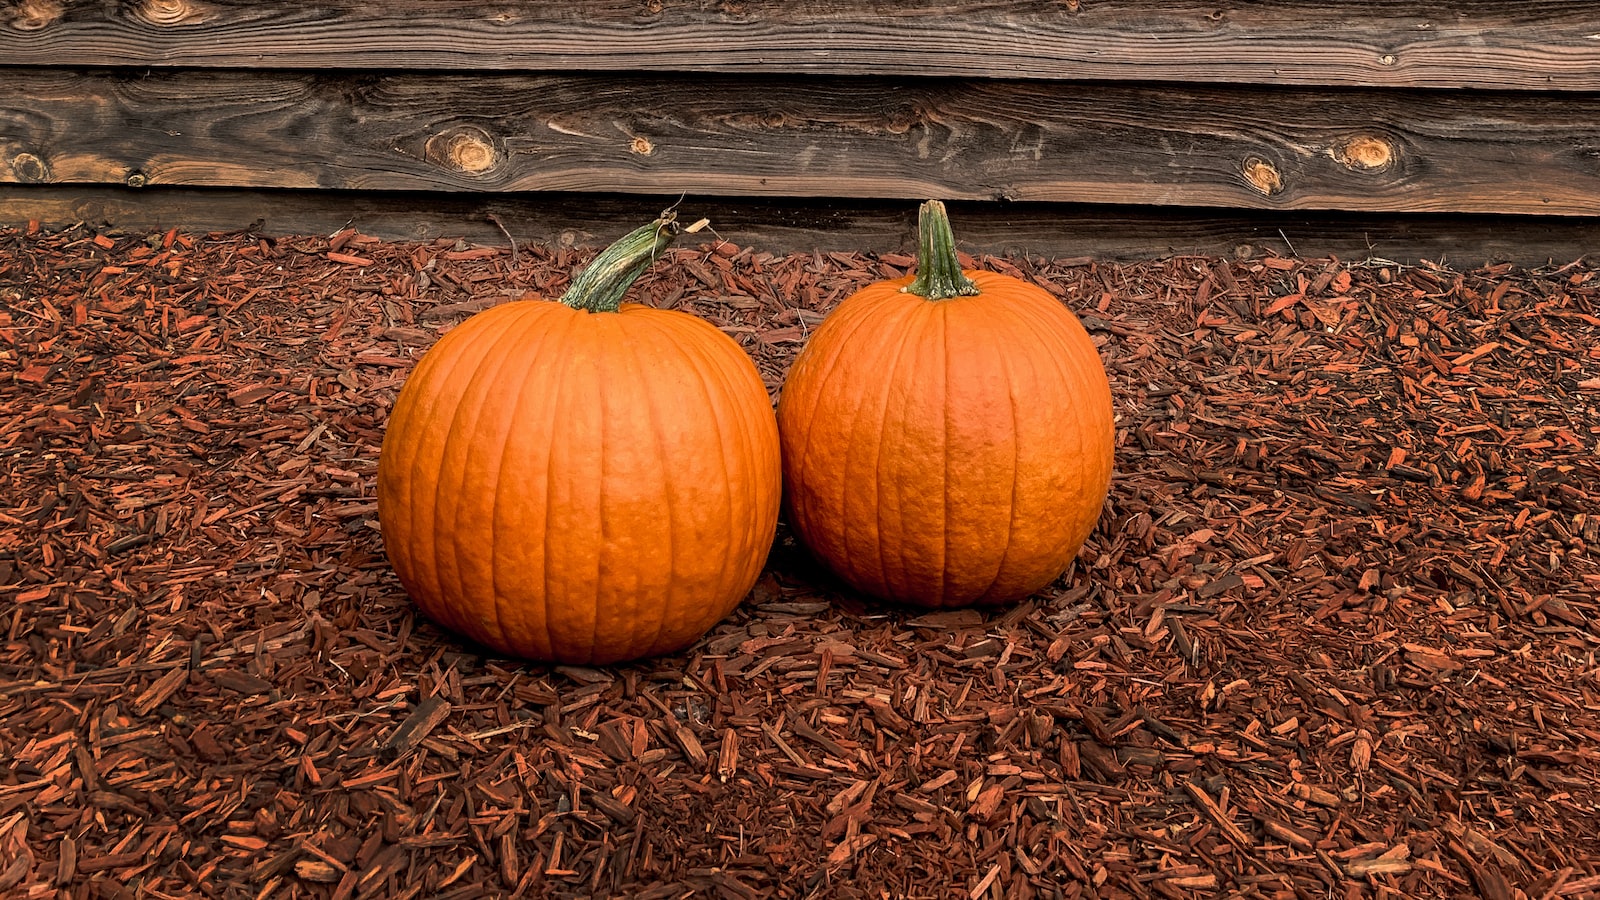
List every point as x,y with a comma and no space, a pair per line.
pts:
1517,44
782,226
1399,151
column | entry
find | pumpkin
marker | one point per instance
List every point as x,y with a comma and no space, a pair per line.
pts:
582,481
947,439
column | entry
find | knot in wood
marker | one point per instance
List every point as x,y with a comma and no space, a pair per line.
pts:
641,146
29,169
1365,152
467,149
1263,176
32,15
168,12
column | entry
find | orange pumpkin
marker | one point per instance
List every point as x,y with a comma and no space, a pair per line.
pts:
946,440
584,481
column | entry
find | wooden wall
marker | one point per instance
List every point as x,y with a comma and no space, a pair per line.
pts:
1171,125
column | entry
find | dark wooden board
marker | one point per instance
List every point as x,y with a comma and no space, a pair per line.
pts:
1410,151
783,226
1528,44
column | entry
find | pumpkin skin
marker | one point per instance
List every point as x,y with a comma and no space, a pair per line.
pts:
580,486
947,452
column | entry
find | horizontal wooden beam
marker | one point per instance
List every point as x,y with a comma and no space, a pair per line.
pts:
1390,151
1011,229
1539,45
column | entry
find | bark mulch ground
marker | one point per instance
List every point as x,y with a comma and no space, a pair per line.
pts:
1335,636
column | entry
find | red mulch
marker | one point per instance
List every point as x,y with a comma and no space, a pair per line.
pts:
1336,635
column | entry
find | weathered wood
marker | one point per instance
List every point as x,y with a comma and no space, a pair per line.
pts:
1408,151
1014,229
1529,44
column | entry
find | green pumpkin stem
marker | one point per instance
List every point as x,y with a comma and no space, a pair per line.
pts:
939,275
602,284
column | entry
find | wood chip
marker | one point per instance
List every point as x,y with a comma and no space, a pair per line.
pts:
417,726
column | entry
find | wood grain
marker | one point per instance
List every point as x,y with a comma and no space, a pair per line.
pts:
1396,151
1515,44
782,226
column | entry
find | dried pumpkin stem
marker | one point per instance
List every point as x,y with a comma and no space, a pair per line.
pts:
939,275
602,284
